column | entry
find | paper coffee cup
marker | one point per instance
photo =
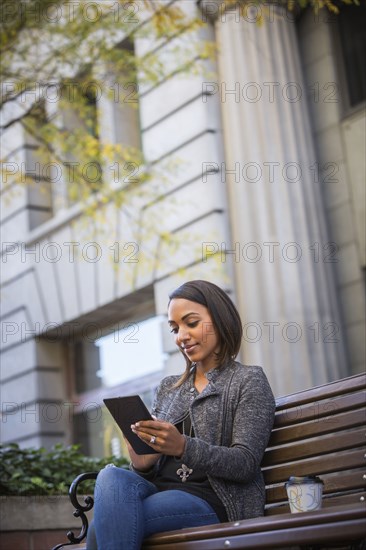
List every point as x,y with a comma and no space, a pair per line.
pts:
304,493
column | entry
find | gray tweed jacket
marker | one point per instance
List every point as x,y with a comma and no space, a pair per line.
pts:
232,420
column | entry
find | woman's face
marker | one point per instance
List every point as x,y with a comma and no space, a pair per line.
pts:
194,332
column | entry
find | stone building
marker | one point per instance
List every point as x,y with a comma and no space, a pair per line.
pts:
268,202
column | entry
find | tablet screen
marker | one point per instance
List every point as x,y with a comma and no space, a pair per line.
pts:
126,411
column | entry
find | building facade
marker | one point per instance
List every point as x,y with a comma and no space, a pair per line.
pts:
266,200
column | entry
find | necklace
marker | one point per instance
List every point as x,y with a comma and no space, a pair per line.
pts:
184,471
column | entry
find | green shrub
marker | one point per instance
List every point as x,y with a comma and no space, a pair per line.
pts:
41,472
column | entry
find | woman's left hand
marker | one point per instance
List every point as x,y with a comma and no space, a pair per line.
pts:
161,436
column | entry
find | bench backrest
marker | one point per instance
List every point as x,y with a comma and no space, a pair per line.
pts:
320,431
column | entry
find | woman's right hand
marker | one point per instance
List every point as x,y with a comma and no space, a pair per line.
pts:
142,462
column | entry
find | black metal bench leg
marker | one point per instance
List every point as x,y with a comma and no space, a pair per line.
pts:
80,510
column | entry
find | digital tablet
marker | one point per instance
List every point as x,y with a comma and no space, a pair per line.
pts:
126,411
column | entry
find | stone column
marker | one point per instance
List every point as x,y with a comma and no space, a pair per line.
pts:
284,275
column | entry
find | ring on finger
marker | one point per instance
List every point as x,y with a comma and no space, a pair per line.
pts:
153,440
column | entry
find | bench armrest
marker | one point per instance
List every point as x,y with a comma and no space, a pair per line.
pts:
80,510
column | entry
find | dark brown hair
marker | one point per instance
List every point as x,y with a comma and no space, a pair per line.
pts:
224,315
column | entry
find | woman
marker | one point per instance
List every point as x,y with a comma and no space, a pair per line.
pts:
211,427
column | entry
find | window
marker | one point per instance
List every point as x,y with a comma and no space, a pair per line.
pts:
121,115
351,24
125,96
38,168
127,359
80,138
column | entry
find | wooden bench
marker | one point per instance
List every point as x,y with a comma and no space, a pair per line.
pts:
320,431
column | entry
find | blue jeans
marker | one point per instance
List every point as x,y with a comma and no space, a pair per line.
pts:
129,508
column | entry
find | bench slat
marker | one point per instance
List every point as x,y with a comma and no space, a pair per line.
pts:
332,389
319,409
332,483
315,447
278,538
351,498
335,462
310,429
267,531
